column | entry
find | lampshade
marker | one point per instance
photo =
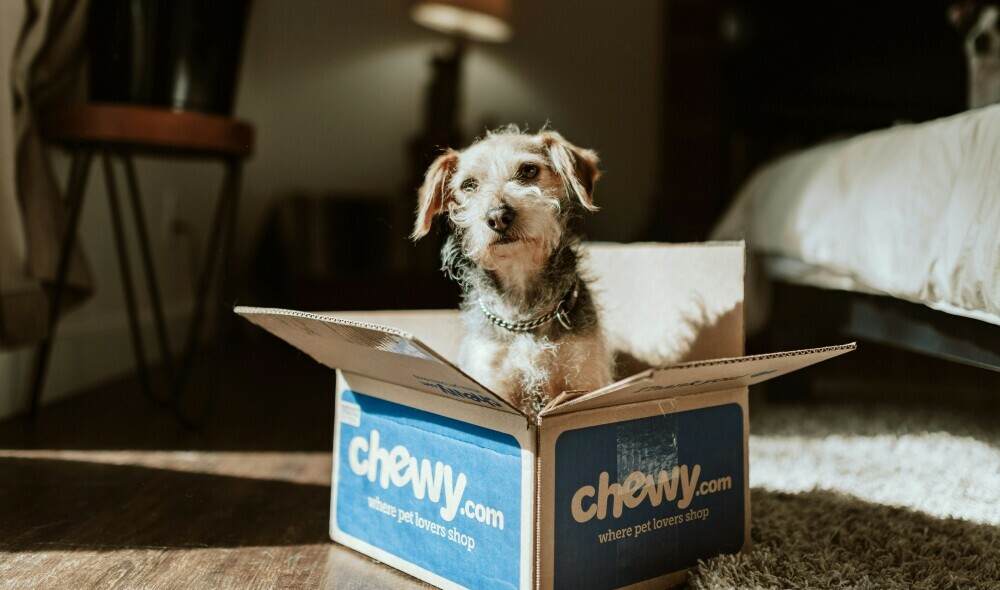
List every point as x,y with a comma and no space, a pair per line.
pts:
480,20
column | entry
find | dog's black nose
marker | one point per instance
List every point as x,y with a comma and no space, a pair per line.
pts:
500,218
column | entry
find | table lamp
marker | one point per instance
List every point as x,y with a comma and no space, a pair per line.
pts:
462,21
479,20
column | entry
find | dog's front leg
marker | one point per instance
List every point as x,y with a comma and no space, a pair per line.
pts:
484,360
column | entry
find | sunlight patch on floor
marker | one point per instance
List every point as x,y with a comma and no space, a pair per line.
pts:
938,473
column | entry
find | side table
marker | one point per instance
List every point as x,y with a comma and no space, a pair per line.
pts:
120,132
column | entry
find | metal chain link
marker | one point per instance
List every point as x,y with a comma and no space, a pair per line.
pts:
530,325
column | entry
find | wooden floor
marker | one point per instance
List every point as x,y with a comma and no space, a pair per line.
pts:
105,491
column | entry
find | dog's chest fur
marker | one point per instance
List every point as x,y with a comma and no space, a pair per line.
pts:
531,368
514,203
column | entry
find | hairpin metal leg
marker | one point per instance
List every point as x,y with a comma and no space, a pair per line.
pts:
75,190
224,315
234,169
150,270
221,243
220,239
126,274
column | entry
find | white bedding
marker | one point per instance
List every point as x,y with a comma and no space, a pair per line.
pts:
912,212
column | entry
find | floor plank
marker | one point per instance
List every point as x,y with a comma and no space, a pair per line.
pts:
105,491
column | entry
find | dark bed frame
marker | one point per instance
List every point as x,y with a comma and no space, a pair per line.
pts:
776,80
807,315
918,328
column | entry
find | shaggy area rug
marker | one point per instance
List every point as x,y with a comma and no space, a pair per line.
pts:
863,496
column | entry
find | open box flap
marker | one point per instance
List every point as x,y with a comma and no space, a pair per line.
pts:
695,377
375,351
663,304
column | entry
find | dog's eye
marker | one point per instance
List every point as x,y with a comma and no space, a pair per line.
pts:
469,185
528,171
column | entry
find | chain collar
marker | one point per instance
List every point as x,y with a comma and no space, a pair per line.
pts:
560,313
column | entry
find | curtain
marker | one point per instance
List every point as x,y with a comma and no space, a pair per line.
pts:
41,53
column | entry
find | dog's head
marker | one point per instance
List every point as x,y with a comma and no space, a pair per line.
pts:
979,24
509,196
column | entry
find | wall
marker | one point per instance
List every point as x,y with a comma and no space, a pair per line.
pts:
335,92
92,343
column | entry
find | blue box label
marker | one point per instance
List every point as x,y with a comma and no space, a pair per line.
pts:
640,499
442,494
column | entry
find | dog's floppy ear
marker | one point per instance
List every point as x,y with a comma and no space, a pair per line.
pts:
432,198
962,15
576,166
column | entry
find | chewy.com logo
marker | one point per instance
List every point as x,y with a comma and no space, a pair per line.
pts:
591,502
436,482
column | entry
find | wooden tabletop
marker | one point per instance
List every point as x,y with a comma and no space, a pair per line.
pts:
148,129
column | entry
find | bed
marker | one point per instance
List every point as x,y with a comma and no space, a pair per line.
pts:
898,231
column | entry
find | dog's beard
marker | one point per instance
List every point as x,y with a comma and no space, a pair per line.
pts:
519,253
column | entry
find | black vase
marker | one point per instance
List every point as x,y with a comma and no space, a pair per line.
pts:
178,54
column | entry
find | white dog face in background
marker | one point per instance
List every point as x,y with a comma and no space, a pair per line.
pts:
979,23
509,197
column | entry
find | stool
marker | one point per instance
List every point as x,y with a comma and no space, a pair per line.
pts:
112,132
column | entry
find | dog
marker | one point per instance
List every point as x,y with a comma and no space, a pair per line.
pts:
514,202
979,25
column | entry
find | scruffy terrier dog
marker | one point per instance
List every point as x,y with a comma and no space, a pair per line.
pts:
514,202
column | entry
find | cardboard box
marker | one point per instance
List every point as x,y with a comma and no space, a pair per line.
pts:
626,486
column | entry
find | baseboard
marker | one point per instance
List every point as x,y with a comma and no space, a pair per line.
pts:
87,353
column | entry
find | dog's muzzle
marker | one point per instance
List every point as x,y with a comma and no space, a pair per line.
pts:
500,218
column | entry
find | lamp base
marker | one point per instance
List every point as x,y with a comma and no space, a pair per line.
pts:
440,130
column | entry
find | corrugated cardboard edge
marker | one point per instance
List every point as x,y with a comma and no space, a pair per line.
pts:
562,405
246,309
537,511
331,319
